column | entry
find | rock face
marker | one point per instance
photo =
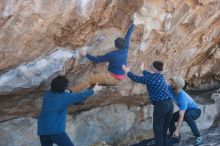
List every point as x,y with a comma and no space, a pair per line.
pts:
216,122
110,122
32,34
40,39
107,123
33,28
115,124
23,133
211,138
183,34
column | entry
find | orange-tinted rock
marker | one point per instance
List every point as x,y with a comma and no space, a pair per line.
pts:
183,34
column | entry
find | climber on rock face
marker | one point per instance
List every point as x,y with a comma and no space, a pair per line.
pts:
189,111
115,59
160,97
52,119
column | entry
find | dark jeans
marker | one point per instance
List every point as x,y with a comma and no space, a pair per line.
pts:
190,116
162,115
59,139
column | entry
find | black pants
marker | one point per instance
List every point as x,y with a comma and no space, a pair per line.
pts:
190,117
59,139
162,115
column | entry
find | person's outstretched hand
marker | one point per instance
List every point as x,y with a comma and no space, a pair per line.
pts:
97,88
125,68
82,53
142,66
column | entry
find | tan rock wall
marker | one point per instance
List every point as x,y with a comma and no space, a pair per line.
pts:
183,34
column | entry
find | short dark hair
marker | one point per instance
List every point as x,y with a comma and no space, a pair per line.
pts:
120,43
59,84
158,65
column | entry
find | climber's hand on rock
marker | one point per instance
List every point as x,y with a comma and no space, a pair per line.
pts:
82,53
132,18
97,88
125,68
142,66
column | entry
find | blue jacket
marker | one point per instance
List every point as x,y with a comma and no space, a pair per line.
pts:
52,119
115,58
155,83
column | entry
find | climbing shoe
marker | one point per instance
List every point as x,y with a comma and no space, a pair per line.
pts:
199,141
